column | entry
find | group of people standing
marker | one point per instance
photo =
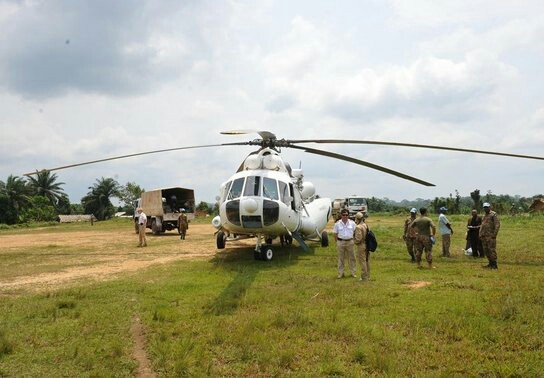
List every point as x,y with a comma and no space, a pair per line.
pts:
350,237
419,235
141,218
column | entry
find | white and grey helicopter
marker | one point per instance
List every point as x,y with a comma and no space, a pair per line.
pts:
266,198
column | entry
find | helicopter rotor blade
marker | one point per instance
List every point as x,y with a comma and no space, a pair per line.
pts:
266,135
428,146
363,163
135,154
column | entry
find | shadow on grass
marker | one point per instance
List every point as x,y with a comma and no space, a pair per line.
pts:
246,267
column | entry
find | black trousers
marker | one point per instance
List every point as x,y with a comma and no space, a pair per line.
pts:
476,245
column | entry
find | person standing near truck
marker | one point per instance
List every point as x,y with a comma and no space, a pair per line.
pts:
142,224
183,224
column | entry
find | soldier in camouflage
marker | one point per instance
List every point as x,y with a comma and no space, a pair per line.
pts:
426,231
488,235
410,234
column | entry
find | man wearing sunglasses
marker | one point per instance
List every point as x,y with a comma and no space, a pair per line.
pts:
343,234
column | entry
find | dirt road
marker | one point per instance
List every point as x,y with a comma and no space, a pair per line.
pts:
46,260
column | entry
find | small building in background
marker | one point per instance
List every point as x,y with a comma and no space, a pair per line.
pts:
76,218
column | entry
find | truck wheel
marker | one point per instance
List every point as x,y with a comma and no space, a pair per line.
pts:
156,230
220,239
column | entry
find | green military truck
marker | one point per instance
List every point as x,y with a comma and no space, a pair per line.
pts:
163,208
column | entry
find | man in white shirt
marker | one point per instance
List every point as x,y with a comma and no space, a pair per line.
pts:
343,234
142,222
445,230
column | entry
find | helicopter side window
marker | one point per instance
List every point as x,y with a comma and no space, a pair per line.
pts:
253,185
292,189
270,188
236,188
284,193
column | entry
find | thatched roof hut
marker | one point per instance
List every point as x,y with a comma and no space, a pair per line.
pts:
76,218
537,205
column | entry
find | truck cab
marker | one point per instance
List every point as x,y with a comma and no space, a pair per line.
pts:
353,203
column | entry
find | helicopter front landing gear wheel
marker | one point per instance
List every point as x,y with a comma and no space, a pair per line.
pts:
324,239
221,240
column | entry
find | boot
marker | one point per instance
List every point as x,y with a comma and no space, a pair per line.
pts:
494,265
431,266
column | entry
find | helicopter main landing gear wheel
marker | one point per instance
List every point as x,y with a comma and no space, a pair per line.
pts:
288,239
265,253
324,239
221,240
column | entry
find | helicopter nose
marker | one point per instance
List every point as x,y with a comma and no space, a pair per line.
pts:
249,205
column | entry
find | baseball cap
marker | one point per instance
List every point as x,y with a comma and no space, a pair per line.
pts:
443,208
413,210
486,204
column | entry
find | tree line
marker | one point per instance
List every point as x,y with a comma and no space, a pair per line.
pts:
457,204
41,198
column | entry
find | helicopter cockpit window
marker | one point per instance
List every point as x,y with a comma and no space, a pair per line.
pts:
284,193
225,191
270,188
253,185
236,188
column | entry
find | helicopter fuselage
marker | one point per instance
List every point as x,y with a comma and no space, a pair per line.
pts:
269,202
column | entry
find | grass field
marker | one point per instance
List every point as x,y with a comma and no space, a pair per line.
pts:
226,314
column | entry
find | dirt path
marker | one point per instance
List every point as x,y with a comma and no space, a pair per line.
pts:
92,254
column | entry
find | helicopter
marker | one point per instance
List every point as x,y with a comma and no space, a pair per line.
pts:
266,198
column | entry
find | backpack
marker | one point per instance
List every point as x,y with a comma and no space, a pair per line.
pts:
371,242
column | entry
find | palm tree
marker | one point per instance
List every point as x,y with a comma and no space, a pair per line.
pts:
97,201
15,195
44,184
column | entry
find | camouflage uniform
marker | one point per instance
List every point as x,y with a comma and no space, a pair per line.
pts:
423,226
183,225
359,238
488,235
410,237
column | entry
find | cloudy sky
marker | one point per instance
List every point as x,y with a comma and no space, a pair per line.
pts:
83,80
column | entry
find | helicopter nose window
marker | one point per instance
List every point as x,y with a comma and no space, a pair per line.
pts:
271,212
233,212
236,188
270,188
253,184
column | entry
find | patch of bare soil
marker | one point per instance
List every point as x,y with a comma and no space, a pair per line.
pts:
417,284
139,354
99,255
